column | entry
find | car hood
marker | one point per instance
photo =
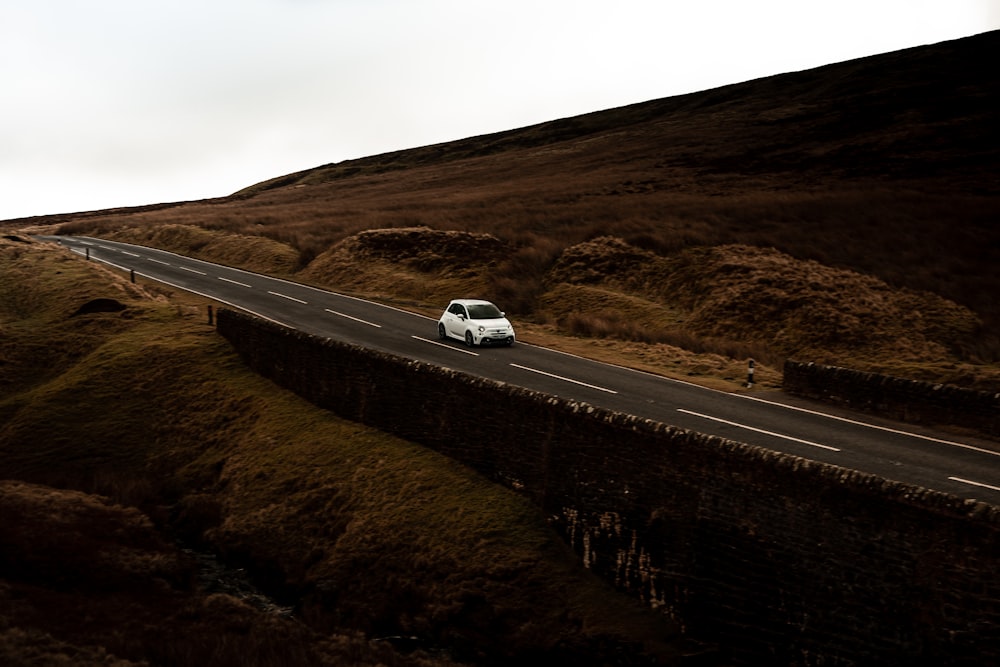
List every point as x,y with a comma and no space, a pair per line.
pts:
493,323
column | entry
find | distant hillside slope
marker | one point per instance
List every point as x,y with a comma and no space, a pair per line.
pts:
887,166
928,111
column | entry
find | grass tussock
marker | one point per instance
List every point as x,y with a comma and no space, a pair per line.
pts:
153,430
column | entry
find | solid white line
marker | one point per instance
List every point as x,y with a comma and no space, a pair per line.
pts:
879,428
560,377
758,430
234,282
445,345
200,273
969,481
285,296
371,324
158,261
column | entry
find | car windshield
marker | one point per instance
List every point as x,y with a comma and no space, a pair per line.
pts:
484,311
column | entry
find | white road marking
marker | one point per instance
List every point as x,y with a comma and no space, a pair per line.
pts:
130,254
566,379
213,297
285,296
969,481
158,261
445,345
879,428
234,282
200,273
371,324
758,430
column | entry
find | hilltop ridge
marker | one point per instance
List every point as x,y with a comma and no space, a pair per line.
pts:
946,88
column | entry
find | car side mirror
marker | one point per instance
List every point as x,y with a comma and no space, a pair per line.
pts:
461,317
503,314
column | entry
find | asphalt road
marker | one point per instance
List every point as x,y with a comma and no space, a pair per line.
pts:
964,466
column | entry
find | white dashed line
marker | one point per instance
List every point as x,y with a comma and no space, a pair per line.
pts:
234,282
371,324
445,345
200,273
285,296
565,379
872,426
969,481
758,430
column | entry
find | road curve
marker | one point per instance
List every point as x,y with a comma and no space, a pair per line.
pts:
964,466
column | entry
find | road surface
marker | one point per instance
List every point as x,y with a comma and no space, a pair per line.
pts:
964,466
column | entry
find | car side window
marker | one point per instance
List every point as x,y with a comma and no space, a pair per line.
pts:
456,309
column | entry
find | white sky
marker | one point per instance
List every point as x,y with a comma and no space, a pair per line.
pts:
125,102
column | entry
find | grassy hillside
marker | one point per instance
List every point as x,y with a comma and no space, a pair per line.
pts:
845,215
125,431
880,169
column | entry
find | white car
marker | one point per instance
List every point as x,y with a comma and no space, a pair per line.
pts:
477,322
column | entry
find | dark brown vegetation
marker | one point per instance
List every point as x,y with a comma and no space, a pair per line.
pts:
844,215
127,434
883,169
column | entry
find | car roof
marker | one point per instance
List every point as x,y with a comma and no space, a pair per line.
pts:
471,302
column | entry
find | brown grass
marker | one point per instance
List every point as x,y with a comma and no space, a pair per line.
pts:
844,215
364,534
883,168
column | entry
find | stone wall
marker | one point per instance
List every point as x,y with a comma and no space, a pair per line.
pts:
777,559
896,398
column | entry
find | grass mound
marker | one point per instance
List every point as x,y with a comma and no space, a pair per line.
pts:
410,263
366,536
690,312
255,253
738,297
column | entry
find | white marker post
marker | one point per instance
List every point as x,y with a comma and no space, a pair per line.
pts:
750,366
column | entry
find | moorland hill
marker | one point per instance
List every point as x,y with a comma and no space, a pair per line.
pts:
859,198
842,214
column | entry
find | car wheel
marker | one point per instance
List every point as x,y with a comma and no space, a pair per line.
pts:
442,334
468,339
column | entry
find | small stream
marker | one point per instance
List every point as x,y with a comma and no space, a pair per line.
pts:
216,577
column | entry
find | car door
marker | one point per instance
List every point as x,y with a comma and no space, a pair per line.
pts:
456,320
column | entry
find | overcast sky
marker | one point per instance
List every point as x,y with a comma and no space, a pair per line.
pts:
111,103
